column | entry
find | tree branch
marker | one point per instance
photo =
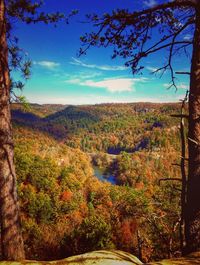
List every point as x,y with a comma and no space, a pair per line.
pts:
174,4
183,73
169,179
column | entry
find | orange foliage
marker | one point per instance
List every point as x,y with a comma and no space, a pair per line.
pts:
128,229
109,204
66,196
76,218
139,185
83,208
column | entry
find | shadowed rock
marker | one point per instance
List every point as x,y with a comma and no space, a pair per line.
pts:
192,259
101,257
104,257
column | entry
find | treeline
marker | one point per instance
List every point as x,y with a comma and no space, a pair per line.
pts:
109,128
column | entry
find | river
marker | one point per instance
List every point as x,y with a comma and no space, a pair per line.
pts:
105,177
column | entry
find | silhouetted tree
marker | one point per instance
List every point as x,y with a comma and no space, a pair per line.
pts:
11,57
138,34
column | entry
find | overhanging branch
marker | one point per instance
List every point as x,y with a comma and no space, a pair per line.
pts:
174,4
183,73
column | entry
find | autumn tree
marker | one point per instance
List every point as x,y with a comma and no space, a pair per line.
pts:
11,57
132,34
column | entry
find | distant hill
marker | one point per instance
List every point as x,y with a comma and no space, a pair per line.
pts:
109,128
40,110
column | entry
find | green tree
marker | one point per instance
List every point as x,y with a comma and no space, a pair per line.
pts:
26,11
131,34
93,233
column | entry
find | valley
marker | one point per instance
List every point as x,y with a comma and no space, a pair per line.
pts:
89,178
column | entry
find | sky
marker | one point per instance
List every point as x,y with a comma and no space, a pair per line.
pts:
59,76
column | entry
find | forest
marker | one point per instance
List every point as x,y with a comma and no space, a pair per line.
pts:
84,174
67,210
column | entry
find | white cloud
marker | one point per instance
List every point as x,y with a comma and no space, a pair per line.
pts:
113,85
179,86
47,64
95,66
187,37
150,3
83,75
75,81
117,84
166,85
151,69
182,86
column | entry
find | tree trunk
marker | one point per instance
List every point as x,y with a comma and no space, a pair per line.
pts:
183,175
11,239
192,214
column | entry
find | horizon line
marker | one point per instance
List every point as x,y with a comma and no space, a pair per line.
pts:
102,103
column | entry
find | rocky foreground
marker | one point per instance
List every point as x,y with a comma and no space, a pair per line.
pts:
104,257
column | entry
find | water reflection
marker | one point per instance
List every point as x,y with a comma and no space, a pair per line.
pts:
104,176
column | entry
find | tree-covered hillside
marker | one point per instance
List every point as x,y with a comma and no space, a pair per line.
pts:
66,210
109,128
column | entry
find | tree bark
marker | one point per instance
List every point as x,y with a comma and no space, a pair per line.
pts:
192,214
184,176
11,238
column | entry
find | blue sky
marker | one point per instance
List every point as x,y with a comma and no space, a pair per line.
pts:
59,76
